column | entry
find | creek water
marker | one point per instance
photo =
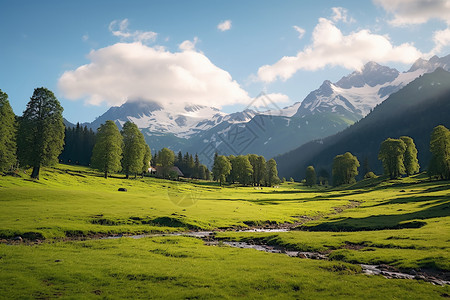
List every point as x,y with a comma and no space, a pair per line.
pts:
209,238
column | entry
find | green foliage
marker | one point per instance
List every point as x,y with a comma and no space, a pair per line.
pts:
242,169
166,159
191,167
391,154
133,149
78,144
272,172
291,179
107,151
41,131
345,169
310,176
370,175
221,168
410,156
8,147
147,158
440,150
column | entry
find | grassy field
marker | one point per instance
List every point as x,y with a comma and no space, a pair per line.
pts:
403,223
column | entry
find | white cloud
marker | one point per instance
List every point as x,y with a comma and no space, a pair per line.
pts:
341,14
301,31
85,38
133,70
224,26
120,29
416,11
441,38
188,45
330,47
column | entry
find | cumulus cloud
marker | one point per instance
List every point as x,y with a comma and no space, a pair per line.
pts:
330,47
188,45
441,38
224,26
135,71
120,29
341,14
416,11
301,31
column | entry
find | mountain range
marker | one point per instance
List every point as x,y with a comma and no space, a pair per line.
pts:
271,131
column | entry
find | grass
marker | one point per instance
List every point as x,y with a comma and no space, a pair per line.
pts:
403,223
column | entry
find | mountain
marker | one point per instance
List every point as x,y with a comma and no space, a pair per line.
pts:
413,111
355,95
324,112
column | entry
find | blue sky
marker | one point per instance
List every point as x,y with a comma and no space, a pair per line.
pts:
95,54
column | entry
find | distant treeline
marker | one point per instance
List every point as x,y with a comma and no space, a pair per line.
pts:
78,144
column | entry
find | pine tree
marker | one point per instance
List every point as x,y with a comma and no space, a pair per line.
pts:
41,131
310,176
133,149
107,151
391,154
8,147
410,156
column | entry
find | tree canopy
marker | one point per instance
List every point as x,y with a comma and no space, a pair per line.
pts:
107,151
221,168
133,149
345,169
440,151
391,154
8,147
410,156
166,159
41,131
272,172
310,175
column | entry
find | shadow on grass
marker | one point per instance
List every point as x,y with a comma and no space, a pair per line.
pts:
380,222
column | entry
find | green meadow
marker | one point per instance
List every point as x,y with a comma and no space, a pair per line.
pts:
401,223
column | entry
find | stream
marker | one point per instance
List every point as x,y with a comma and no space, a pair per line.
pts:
210,240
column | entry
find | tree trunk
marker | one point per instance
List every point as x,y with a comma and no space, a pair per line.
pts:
106,174
127,176
35,173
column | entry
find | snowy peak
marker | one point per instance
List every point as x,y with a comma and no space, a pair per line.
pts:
372,74
432,64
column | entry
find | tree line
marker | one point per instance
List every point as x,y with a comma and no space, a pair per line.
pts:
248,169
78,144
398,157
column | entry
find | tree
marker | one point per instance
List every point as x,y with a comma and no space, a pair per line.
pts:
242,169
310,176
8,147
410,160
147,159
41,131
232,176
166,159
253,159
345,169
260,170
272,172
440,152
221,168
107,151
324,176
391,154
133,149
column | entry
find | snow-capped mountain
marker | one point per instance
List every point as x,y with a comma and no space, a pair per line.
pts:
182,121
325,111
355,95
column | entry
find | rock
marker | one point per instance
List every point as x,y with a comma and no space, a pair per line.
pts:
122,189
302,255
58,260
402,191
17,238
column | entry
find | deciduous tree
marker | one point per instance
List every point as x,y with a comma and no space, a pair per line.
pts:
166,159
345,169
107,151
221,168
41,131
391,154
410,156
440,151
310,175
272,172
133,149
